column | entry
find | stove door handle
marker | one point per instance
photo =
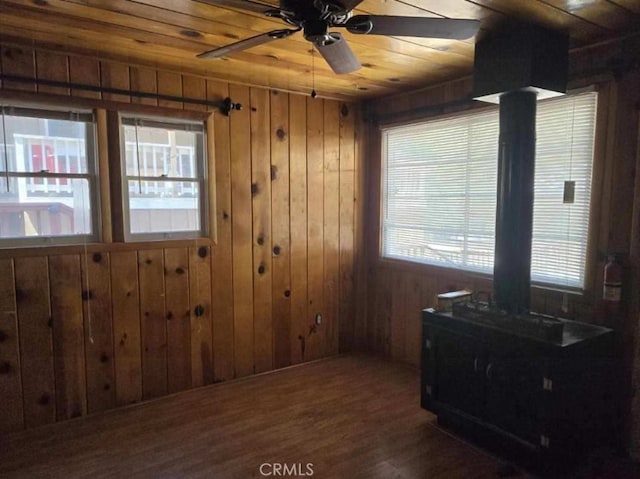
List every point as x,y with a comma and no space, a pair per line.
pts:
475,364
488,371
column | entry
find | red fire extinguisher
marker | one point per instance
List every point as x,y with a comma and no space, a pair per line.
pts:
612,280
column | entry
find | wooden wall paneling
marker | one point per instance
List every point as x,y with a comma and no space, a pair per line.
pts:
52,66
144,80
593,281
126,327
398,323
36,342
347,226
363,203
298,225
68,336
115,75
621,221
606,186
222,298
381,313
176,297
240,149
18,61
104,175
98,331
368,195
169,83
634,307
330,326
280,229
196,88
117,227
413,319
2,48
261,208
211,206
315,224
84,70
11,411
429,293
624,168
153,323
202,368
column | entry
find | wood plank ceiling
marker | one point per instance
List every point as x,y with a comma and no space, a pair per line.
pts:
167,34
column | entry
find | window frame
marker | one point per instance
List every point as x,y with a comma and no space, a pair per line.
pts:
48,112
201,179
596,191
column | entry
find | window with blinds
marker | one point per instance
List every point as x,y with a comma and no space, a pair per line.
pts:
48,177
164,178
439,190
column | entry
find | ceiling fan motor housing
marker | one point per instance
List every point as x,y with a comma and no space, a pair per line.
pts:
316,31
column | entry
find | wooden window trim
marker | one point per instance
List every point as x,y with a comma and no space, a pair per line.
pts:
208,227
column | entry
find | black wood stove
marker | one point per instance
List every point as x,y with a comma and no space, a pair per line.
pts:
524,383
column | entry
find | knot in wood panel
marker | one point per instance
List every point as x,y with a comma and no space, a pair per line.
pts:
87,295
203,252
97,257
190,33
5,367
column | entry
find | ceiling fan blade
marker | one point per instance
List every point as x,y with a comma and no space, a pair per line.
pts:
338,55
247,43
242,4
449,28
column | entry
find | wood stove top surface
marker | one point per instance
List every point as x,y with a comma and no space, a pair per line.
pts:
523,325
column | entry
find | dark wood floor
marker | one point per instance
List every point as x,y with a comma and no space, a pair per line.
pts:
350,416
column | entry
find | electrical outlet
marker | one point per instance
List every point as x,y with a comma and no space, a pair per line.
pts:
318,319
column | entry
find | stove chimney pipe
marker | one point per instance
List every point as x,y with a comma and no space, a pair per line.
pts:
517,67
514,214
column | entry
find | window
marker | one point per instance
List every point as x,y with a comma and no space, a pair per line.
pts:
439,190
47,177
164,178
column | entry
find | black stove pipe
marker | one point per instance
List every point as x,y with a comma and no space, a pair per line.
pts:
514,215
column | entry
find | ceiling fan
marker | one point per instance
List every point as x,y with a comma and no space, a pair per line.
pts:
315,17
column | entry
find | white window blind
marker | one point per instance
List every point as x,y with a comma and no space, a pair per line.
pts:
165,181
439,190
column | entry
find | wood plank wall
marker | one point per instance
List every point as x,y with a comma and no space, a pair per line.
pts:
397,290
83,332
